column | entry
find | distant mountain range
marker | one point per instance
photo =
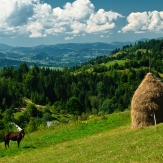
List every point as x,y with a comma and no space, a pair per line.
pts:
58,55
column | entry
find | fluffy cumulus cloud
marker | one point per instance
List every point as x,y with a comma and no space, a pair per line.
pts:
101,21
14,14
141,22
35,19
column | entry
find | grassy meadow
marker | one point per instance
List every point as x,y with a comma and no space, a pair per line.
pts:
105,139
119,62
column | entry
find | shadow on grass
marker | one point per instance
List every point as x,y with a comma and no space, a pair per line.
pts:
26,147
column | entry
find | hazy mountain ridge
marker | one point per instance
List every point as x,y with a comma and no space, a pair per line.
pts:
58,55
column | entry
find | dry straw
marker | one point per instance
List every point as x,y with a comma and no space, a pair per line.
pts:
147,102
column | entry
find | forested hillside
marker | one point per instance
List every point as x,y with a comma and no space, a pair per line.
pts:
136,56
101,86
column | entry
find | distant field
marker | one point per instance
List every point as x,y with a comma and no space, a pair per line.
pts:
56,68
120,62
107,139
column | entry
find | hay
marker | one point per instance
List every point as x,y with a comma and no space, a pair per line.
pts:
147,102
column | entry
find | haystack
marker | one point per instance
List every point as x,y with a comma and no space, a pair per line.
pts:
147,103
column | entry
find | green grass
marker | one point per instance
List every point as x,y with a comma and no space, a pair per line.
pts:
111,63
101,139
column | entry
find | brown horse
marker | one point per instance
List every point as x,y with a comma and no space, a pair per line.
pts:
15,136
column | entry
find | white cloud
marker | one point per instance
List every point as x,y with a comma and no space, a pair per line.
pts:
14,16
79,10
77,27
69,38
36,29
101,21
104,36
35,19
141,22
20,14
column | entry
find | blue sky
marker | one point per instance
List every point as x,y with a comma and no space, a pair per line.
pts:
35,22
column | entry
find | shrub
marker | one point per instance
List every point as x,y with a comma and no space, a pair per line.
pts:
32,126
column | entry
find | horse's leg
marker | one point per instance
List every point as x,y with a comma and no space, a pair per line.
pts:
8,143
18,142
5,144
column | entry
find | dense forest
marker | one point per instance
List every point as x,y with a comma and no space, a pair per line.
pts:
95,87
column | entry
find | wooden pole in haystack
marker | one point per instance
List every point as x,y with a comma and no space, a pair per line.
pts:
154,117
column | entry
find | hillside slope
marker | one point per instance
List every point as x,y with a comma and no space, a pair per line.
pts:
116,143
